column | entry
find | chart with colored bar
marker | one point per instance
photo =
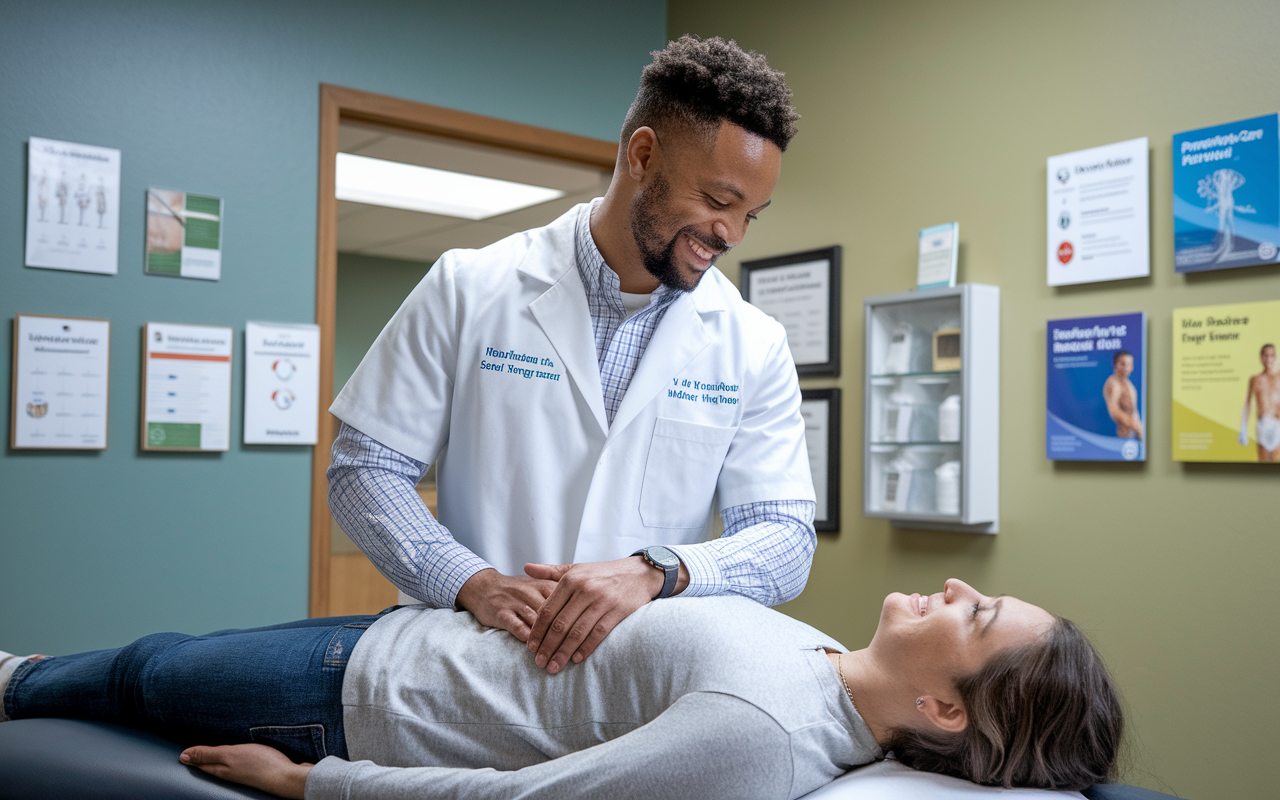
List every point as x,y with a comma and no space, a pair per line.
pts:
186,393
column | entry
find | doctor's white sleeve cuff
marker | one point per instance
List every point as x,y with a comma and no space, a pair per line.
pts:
372,498
765,553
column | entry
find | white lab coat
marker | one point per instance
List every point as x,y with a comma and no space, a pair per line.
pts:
491,365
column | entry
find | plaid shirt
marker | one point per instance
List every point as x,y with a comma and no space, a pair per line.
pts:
765,551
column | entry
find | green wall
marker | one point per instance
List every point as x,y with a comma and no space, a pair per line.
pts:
222,98
917,113
370,290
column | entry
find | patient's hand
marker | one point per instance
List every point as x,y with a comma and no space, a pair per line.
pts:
504,601
253,765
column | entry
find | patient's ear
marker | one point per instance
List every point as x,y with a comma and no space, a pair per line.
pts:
948,717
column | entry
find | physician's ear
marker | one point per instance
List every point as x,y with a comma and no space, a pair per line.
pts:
640,151
947,717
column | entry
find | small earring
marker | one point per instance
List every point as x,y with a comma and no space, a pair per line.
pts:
919,701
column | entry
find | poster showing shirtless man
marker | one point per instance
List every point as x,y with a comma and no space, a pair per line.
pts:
1264,395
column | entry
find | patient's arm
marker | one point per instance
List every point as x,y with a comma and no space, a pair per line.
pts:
707,746
253,765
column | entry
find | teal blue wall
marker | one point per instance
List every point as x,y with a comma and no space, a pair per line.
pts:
370,289
222,98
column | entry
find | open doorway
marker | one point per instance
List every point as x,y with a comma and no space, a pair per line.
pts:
370,254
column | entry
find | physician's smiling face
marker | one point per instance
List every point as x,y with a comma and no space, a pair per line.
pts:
698,200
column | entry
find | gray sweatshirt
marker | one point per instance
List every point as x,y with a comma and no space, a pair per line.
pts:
713,697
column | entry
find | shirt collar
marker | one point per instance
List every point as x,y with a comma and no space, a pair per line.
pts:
600,281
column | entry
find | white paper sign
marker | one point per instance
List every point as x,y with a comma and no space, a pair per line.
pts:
799,297
73,206
936,262
1099,212
281,383
187,397
817,439
60,386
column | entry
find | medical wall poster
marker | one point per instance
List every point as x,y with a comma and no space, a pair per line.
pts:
1097,389
820,409
1226,383
939,247
1099,214
184,235
281,383
60,377
801,291
1226,195
73,206
186,392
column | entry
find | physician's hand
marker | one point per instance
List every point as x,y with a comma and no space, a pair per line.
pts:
588,602
255,765
505,601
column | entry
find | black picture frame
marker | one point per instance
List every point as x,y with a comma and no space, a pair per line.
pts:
831,522
830,367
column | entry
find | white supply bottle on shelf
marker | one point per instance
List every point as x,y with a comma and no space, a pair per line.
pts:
897,484
949,419
947,487
897,417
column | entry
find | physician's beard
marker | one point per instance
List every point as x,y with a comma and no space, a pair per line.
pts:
647,211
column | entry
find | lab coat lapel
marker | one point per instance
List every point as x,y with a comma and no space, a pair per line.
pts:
562,313
678,339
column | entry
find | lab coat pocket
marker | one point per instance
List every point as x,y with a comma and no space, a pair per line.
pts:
681,472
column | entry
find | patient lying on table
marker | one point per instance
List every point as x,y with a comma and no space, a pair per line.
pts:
689,697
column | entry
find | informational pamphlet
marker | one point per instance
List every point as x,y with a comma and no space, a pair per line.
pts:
281,383
186,398
1099,214
1226,195
73,206
184,234
1097,389
939,247
60,376
1226,383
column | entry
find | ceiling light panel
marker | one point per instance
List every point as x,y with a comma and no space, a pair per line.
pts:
361,179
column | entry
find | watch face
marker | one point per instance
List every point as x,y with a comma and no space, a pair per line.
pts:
663,557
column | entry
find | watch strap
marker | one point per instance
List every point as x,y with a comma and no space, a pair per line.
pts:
669,574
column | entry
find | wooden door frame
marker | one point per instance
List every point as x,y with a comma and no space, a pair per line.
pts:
338,104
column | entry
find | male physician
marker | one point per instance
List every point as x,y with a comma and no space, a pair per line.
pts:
589,387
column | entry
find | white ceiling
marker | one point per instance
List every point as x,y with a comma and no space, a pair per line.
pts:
394,233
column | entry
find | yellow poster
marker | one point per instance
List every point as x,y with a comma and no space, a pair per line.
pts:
1226,383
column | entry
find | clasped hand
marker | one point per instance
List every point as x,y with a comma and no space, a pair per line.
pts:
563,611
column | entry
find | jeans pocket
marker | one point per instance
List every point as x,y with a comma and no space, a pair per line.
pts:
342,643
299,742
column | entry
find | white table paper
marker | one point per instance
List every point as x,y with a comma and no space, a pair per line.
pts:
281,383
73,206
60,386
187,397
1099,214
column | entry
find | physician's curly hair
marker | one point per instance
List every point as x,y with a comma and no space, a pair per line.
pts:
699,82
1045,715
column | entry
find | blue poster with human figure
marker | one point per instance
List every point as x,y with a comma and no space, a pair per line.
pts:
1226,195
1097,389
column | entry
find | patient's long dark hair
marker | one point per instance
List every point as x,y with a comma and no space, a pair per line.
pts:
1044,715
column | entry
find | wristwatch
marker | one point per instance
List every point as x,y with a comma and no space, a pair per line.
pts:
665,560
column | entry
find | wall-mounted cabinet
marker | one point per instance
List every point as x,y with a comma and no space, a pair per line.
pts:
931,444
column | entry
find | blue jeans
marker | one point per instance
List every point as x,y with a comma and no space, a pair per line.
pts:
280,686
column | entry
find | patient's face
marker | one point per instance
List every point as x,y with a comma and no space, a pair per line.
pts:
951,634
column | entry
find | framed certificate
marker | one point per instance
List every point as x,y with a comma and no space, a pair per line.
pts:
801,291
60,372
821,411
